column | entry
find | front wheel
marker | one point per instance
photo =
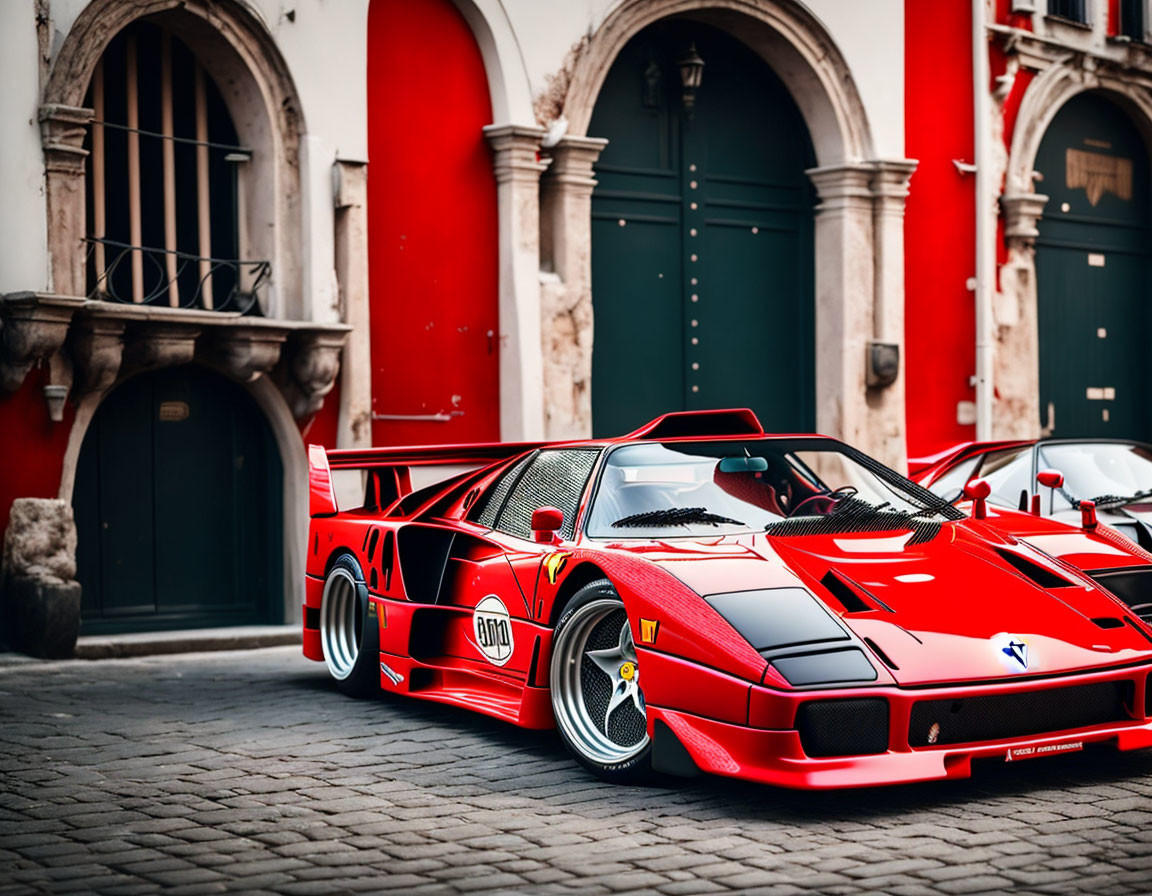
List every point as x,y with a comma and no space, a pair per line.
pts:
595,684
348,635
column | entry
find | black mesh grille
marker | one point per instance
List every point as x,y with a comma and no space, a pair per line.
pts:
843,727
496,495
997,716
555,479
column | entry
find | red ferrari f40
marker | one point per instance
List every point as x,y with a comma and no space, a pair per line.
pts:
698,596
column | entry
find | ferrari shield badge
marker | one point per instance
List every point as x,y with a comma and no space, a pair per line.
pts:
1016,650
554,565
493,630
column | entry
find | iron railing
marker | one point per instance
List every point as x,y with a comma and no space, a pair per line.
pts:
174,279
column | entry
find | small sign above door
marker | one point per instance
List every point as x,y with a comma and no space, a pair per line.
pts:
173,411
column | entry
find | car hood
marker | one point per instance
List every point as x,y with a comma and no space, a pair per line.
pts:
945,610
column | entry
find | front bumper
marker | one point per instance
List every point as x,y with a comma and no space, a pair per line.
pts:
769,749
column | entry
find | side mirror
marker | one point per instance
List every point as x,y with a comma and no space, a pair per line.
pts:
546,521
1048,479
977,490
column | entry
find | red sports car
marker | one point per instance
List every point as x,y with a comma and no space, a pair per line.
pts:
700,596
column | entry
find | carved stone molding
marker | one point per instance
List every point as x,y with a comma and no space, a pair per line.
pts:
97,348
62,132
516,151
152,345
308,369
34,327
243,352
1022,211
99,343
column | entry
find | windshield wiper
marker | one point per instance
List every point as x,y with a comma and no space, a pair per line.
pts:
675,516
1107,502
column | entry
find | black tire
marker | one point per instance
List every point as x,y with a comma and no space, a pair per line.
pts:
595,621
348,635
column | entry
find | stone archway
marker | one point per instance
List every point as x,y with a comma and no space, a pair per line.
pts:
858,227
1016,366
258,90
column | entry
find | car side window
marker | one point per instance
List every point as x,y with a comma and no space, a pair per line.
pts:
950,486
555,478
1009,473
487,507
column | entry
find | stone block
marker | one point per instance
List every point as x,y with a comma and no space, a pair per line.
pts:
43,616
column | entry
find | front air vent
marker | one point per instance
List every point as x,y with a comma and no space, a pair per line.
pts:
884,658
1021,714
849,594
1109,622
1034,572
843,727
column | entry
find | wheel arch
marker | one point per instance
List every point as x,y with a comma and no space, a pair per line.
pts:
579,577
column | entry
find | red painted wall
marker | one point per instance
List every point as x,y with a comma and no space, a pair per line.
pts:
433,265
32,449
939,241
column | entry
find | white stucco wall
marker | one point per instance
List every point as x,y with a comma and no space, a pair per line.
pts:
23,227
324,45
870,37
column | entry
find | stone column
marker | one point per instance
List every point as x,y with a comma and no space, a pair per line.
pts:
1017,413
355,426
62,132
884,373
844,308
517,165
566,297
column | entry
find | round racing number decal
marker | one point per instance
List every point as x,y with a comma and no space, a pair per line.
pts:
493,630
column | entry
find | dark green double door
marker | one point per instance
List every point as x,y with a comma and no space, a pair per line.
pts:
1092,269
702,258
178,507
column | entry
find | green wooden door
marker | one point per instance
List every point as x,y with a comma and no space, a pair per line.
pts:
702,257
178,507
1092,269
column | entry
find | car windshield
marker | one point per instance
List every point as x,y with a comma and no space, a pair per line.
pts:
1098,471
673,489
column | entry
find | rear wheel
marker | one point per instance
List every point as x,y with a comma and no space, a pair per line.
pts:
595,684
348,635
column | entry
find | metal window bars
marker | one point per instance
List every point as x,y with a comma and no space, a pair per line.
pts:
178,279
146,275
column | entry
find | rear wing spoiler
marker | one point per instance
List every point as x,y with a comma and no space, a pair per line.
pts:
389,469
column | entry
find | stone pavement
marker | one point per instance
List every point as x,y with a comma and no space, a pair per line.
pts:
247,771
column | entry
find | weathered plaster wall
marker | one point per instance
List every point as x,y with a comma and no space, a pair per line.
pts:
869,35
23,231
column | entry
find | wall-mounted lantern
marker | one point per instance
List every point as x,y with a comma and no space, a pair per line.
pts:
691,74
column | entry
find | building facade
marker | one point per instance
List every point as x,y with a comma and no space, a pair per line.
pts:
239,226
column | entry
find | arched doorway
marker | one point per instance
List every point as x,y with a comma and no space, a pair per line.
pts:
702,237
1092,273
178,507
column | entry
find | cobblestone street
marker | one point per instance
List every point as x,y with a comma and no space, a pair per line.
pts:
248,771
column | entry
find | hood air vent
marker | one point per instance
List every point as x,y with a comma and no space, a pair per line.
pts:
851,595
1034,572
1109,622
